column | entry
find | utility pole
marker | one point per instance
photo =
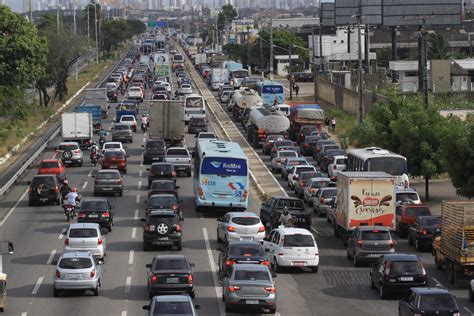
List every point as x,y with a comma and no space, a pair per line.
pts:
88,24
289,70
96,37
367,49
75,31
394,51
423,63
360,115
271,48
315,70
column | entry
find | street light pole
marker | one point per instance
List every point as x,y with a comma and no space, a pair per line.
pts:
75,31
57,17
96,37
360,115
271,48
315,70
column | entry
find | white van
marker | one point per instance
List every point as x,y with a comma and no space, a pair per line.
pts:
292,247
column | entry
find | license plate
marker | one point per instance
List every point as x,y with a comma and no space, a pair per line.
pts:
107,189
156,158
68,161
180,168
74,276
113,167
299,263
43,200
172,280
94,216
163,238
251,302
406,278
373,255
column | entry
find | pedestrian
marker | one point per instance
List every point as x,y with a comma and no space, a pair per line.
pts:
327,122
297,89
333,124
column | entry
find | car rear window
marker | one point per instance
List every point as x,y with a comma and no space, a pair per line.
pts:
75,263
155,144
319,184
122,127
49,181
94,205
282,143
407,196
114,154
107,175
165,185
246,221
83,233
405,267
68,147
127,119
157,201
49,164
242,275
417,211
375,235
288,154
198,122
247,251
291,204
109,146
207,136
437,302
171,264
341,161
434,221
173,308
162,168
156,219
329,193
308,175
177,152
298,240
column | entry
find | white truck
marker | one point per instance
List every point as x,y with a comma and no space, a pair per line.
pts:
265,121
364,199
167,120
77,127
200,59
219,77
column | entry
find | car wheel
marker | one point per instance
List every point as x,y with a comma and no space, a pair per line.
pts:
348,255
121,194
355,261
219,240
314,269
192,294
276,267
410,241
327,217
58,201
271,310
150,295
55,292
96,291
109,229
189,173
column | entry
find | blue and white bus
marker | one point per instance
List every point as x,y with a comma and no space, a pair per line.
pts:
221,176
271,92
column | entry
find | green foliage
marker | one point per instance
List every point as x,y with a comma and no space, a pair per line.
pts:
437,47
116,31
13,104
384,55
225,16
22,51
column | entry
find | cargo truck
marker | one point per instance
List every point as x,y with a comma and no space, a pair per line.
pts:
454,248
200,59
364,199
96,112
167,120
306,114
77,127
97,96
265,121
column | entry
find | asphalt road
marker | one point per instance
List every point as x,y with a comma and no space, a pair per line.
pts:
337,289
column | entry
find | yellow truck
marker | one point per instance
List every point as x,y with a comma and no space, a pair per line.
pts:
453,250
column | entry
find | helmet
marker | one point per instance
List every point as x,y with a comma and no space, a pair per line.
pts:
285,210
94,144
74,189
65,182
143,115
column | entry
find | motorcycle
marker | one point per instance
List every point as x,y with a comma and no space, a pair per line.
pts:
144,128
70,212
94,158
101,141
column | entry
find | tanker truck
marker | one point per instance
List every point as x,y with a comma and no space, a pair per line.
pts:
264,121
244,99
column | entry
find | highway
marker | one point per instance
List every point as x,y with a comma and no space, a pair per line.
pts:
337,289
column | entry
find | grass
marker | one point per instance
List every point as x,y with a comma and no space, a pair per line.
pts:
345,123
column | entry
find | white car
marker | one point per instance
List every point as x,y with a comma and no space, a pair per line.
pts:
280,157
135,93
338,163
294,174
240,226
112,145
85,237
164,83
130,120
206,135
185,89
292,247
407,196
161,79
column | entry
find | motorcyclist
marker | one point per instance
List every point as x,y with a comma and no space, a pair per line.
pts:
72,198
65,189
94,151
286,219
102,136
144,122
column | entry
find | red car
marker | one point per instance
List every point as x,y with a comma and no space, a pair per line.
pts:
53,166
406,215
115,159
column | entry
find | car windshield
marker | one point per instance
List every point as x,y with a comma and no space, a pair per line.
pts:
127,119
75,263
107,175
207,136
177,152
431,221
245,221
94,205
157,201
173,308
391,165
171,264
49,164
83,233
246,251
405,267
154,144
242,275
114,154
375,235
319,184
298,240
329,193
291,204
121,127
432,302
66,147
417,211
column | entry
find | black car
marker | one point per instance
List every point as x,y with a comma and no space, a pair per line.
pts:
319,144
170,274
96,210
397,273
44,189
161,170
164,201
272,209
241,252
429,301
163,186
197,125
305,130
423,231
161,228
323,151
308,144
154,150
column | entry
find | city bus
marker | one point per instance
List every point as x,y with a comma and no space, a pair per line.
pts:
221,176
378,159
194,106
271,92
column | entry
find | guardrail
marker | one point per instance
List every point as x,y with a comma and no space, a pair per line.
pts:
54,132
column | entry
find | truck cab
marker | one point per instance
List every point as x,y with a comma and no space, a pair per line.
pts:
272,209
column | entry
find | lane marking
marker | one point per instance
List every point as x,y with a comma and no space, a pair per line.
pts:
138,199
89,174
141,164
139,185
437,282
51,256
130,256
467,310
13,208
24,314
124,313
84,185
214,271
61,234
53,155
134,233
140,173
37,285
135,217
144,139
128,282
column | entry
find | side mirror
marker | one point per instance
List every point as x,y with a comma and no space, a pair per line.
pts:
142,219
148,265
146,307
197,306
193,265
178,187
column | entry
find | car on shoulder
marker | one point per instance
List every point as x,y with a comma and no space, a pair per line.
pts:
161,228
170,274
115,159
249,287
96,210
154,150
108,181
171,305
44,189
240,226
405,216
122,132
161,170
423,231
85,236
53,166
251,252
368,243
429,301
77,270
70,153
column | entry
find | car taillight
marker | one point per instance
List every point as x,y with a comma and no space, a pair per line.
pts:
422,268
306,145
58,274
173,174
302,135
77,151
99,241
244,196
106,214
230,228
261,229
146,227
301,183
177,228
321,200
392,243
229,263
359,243
270,289
190,279
120,181
66,241
56,189
266,263
423,232
201,193
311,190
81,215
154,279
93,273
234,288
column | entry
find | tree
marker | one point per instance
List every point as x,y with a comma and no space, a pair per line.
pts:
116,31
384,56
437,47
225,16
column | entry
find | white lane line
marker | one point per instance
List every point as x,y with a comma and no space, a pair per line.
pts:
89,174
437,282
139,185
84,185
144,139
141,164
130,256
134,232
138,199
124,313
214,271
135,216
128,282
13,208
24,314
51,256
140,173
61,234
37,285
467,310
53,155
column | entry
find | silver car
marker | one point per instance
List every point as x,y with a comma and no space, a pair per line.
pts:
70,153
368,243
322,198
249,287
77,271
313,187
108,181
280,157
171,305
85,237
240,226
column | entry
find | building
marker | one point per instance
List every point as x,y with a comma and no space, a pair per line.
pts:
293,22
242,30
283,61
462,74
407,74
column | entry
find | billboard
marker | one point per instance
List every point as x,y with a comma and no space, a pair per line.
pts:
327,13
345,11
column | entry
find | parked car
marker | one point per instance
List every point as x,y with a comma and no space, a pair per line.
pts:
77,270
249,287
423,230
322,198
115,159
161,170
280,157
239,226
429,301
292,247
406,215
85,237
154,150
197,125
108,181
161,228
396,274
122,132
96,210
70,153
44,189
241,252
368,243
54,167
314,184
171,304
